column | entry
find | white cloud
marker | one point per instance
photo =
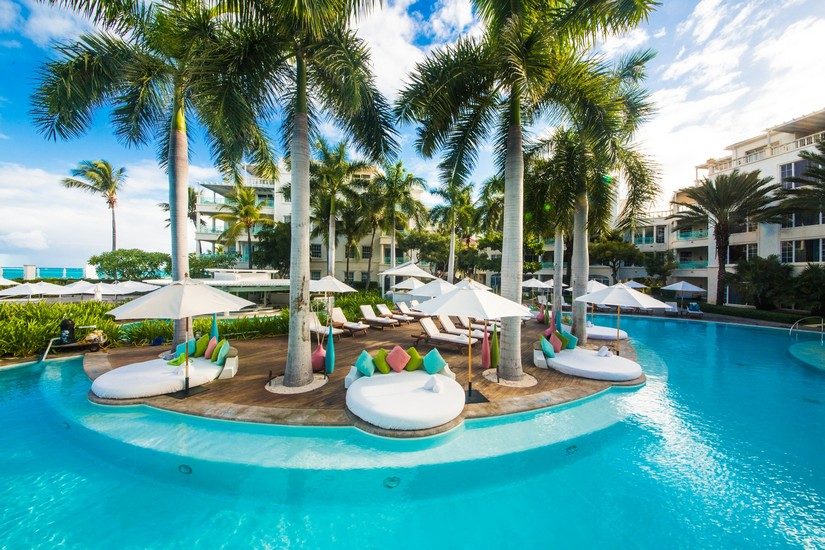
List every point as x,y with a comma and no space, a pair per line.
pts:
450,19
660,33
27,240
617,44
12,44
704,19
9,15
45,24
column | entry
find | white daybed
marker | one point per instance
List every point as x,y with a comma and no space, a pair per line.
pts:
401,400
156,377
586,363
598,332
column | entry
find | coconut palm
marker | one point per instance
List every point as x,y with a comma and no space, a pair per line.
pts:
191,208
161,67
455,214
527,65
99,178
490,204
724,202
353,228
241,214
807,196
372,211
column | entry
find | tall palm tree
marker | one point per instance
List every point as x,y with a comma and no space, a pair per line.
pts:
242,213
726,201
99,178
372,210
397,189
527,65
160,67
808,193
353,228
191,208
490,204
455,214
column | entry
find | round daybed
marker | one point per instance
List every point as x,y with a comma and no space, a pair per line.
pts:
586,363
401,400
598,332
154,377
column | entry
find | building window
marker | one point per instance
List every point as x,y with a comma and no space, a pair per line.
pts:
315,251
660,234
807,251
644,235
785,172
366,252
315,275
287,219
349,276
365,276
752,250
738,252
786,250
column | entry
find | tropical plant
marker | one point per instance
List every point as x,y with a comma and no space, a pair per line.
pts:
614,252
660,266
242,213
273,247
490,204
159,66
352,228
455,214
526,65
130,264
372,211
807,196
191,208
199,264
763,282
810,288
432,247
724,202
99,178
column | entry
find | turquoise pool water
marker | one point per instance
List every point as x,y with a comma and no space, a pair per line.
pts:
723,447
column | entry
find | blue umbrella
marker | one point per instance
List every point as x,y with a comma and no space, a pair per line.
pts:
329,360
213,333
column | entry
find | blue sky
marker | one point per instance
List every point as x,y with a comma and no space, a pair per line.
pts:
724,70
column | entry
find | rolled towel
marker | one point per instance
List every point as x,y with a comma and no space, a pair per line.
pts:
433,384
603,352
589,324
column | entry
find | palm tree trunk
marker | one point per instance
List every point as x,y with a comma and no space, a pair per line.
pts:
114,230
179,203
298,366
249,244
451,259
369,261
581,267
331,238
512,254
392,250
722,240
558,262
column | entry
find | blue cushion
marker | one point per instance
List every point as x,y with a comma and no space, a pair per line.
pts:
182,347
433,362
547,347
222,354
572,341
364,364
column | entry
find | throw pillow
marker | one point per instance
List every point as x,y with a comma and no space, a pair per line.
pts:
549,332
210,347
547,347
572,341
433,362
364,364
318,358
380,360
564,340
200,345
416,361
557,347
397,359
214,356
221,360
177,361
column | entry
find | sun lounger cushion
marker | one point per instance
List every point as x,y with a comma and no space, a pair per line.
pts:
365,364
416,361
210,347
586,363
433,362
547,347
200,345
153,377
556,342
318,358
380,360
397,359
222,353
599,332
400,402
572,341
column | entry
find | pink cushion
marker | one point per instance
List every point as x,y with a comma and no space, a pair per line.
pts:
549,332
555,341
318,358
210,347
398,358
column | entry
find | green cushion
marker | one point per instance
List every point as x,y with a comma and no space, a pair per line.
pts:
217,350
200,345
547,347
364,364
380,360
572,341
565,341
222,354
416,361
433,362
177,361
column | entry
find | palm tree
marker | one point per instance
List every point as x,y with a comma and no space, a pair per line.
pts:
397,189
455,214
161,66
724,202
372,210
490,204
528,64
242,213
353,228
191,208
99,178
807,196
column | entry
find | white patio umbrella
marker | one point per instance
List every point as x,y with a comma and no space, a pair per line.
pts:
535,283
408,284
551,284
77,287
432,289
634,284
33,289
98,290
683,287
472,283
180,300
620,295
329,285
7,282
593,285
473,302
408,269
137,286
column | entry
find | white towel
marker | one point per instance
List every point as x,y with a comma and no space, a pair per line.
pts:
604,352
433,384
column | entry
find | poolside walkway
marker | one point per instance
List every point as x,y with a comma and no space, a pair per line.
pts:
244,397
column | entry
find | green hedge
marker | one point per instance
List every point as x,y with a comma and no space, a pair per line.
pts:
749,313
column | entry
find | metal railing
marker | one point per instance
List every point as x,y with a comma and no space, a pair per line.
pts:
695,264
644,240
691,235
765,153
795,326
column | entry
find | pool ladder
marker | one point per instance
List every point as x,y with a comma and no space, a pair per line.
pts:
795,326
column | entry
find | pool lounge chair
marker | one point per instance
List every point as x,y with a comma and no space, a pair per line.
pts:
384,311
431,334
694,311
404,309
449,327
586,363
316,327
339,320
672,308
464,321
374,320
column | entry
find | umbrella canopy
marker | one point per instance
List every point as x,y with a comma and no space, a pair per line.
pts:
684,286
621,295
472,283
473,302
551,284
634,284
408,284
433,289
535,283
33,289
77,287
329,284
179,300
137,286
7,282
102,289
594,285
408,269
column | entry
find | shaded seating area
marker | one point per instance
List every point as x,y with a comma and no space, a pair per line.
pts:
384,311
369,316
465,323
449,327
587,363
432,335
339,320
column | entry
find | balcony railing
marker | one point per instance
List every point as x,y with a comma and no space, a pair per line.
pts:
643,240
225,202
694,264
692,235
765,153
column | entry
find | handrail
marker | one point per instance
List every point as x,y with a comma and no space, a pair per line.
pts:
821,326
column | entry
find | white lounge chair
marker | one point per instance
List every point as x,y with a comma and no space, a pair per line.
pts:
672,308
693,310
449,327
464,321
384,311
405,309
339,320
599,332
316,327
586,363
432,334
414,303
374,320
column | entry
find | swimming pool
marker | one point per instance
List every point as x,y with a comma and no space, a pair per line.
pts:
722,447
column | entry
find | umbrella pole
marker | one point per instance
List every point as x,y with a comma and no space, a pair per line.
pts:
186,350
469,360
618,325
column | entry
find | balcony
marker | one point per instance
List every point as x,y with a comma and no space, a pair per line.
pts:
693,264
643,240
728,164
692,235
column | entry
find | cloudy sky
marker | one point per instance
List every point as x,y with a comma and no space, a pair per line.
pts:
725,70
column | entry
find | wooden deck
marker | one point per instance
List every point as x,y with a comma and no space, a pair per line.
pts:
244,397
